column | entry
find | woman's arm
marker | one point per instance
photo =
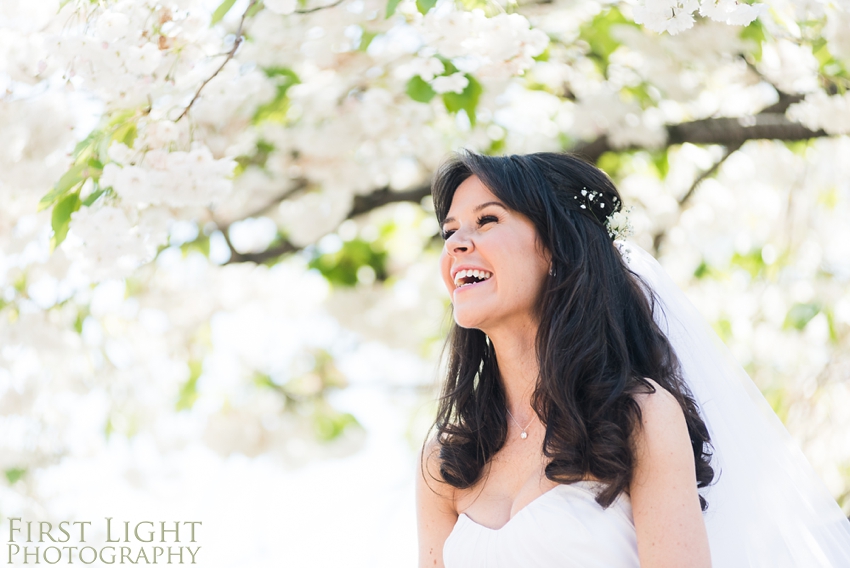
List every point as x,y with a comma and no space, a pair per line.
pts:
665,503
435,511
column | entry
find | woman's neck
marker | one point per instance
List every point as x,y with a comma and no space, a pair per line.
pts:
516,354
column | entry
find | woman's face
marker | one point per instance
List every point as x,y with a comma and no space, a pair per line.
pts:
483,235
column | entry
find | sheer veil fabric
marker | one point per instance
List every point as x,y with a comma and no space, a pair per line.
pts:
767,508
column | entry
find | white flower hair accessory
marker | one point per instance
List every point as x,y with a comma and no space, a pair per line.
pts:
617,222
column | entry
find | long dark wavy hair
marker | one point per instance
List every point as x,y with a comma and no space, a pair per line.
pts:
596,342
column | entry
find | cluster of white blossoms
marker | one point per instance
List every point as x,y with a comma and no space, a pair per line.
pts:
499,47
674,16
174,179
819,111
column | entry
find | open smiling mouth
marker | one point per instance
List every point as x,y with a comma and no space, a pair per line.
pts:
469,278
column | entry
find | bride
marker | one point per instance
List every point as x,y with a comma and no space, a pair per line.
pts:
589,416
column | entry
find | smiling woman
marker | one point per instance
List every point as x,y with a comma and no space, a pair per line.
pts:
557,330
501,239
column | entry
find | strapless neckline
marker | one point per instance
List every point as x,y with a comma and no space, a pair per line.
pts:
564,526
578,485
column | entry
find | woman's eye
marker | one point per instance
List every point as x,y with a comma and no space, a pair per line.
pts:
481,221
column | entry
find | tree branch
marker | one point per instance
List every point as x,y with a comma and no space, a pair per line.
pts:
365,203
316,9
710,171
658,238
362,204
725,131
228,56
300,186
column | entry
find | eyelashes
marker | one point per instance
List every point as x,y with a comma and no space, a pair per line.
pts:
481,221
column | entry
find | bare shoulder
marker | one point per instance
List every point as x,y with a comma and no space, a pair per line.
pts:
428,474
660,412
665,501
436,512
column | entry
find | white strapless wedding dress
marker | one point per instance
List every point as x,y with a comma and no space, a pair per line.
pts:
564,528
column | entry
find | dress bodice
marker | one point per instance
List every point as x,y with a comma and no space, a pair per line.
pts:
564,528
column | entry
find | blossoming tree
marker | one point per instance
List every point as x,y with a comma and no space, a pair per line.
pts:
205,204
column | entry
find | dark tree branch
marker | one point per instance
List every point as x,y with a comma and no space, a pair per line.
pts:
362,204
280,249
300,186
710,171
317,8
780,106
228,56
381,197
658,238
724,131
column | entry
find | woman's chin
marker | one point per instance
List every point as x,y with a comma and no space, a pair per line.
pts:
468,319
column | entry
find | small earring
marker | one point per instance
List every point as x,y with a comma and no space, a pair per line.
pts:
551,270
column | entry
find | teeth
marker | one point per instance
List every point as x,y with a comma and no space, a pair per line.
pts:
479,274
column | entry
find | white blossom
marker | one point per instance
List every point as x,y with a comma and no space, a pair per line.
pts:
819,111
731,12
671,16
454,83
143,60
112,26
281,6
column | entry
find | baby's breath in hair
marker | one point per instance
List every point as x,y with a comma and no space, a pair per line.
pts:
616,222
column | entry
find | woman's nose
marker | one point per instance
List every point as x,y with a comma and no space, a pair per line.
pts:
458,242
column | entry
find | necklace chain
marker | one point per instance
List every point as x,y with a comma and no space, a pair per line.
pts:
524,434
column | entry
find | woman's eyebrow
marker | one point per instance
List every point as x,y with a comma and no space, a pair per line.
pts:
477,209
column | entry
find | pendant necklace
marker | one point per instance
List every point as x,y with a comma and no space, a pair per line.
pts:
524,434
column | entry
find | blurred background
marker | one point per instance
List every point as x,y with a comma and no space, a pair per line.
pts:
219,292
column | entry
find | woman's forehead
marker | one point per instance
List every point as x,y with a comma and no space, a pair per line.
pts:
471,193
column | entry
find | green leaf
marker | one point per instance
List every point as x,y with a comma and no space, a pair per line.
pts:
65,184
424,5
612,163
201,245
752,262
341,267
275,110
779,401
14,474
640,94
704,270
723,328
88,201
467,100
125,134
61,218
661,161
391,6
189,390
330,423
799,315
419,90
82,314
597,34
366,40
543,56
86,144
221,11
755,32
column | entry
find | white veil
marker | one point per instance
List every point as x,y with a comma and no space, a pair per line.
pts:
767,508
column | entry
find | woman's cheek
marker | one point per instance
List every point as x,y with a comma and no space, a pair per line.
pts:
445,267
